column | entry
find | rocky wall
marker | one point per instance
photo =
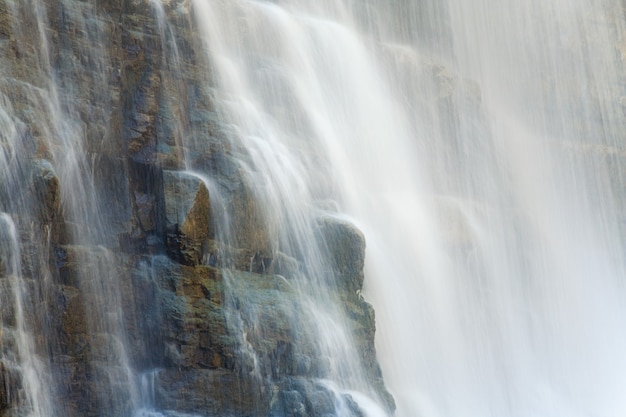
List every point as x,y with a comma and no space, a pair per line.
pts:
98,81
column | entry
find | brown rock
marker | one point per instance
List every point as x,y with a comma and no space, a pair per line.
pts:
187,216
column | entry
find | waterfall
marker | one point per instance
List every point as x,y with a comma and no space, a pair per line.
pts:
205,204
275,163
479,148
520,306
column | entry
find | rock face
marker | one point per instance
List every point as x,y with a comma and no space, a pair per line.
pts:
132,293
187,216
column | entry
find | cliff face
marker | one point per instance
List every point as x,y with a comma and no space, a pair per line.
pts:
123,288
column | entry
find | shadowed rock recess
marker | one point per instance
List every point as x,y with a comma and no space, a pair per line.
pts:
124,296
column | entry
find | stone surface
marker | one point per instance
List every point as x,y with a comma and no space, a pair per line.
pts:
187,216
345,245
124,270
46,187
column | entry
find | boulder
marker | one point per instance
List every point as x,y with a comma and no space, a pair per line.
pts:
345,245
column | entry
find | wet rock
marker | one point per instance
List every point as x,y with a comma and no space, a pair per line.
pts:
346,249
10,385
192,323
146,208
220,319
253,332
187,216
217,392
289,404
321,402
345,246
46,186
249,228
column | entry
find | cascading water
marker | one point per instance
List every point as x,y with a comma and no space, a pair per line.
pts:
179,180
522,314
289,209
478,146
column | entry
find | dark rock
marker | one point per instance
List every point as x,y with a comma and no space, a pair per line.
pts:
290,404
322,403
249,228
346,248
46,185
146,209
10,385
211,392
187,216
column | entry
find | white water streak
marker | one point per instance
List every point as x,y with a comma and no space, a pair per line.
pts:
34,380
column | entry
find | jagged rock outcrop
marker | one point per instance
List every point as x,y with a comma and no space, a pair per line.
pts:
187,216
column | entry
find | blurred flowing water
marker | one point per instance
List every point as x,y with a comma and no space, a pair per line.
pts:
269,135
18,360
479,146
